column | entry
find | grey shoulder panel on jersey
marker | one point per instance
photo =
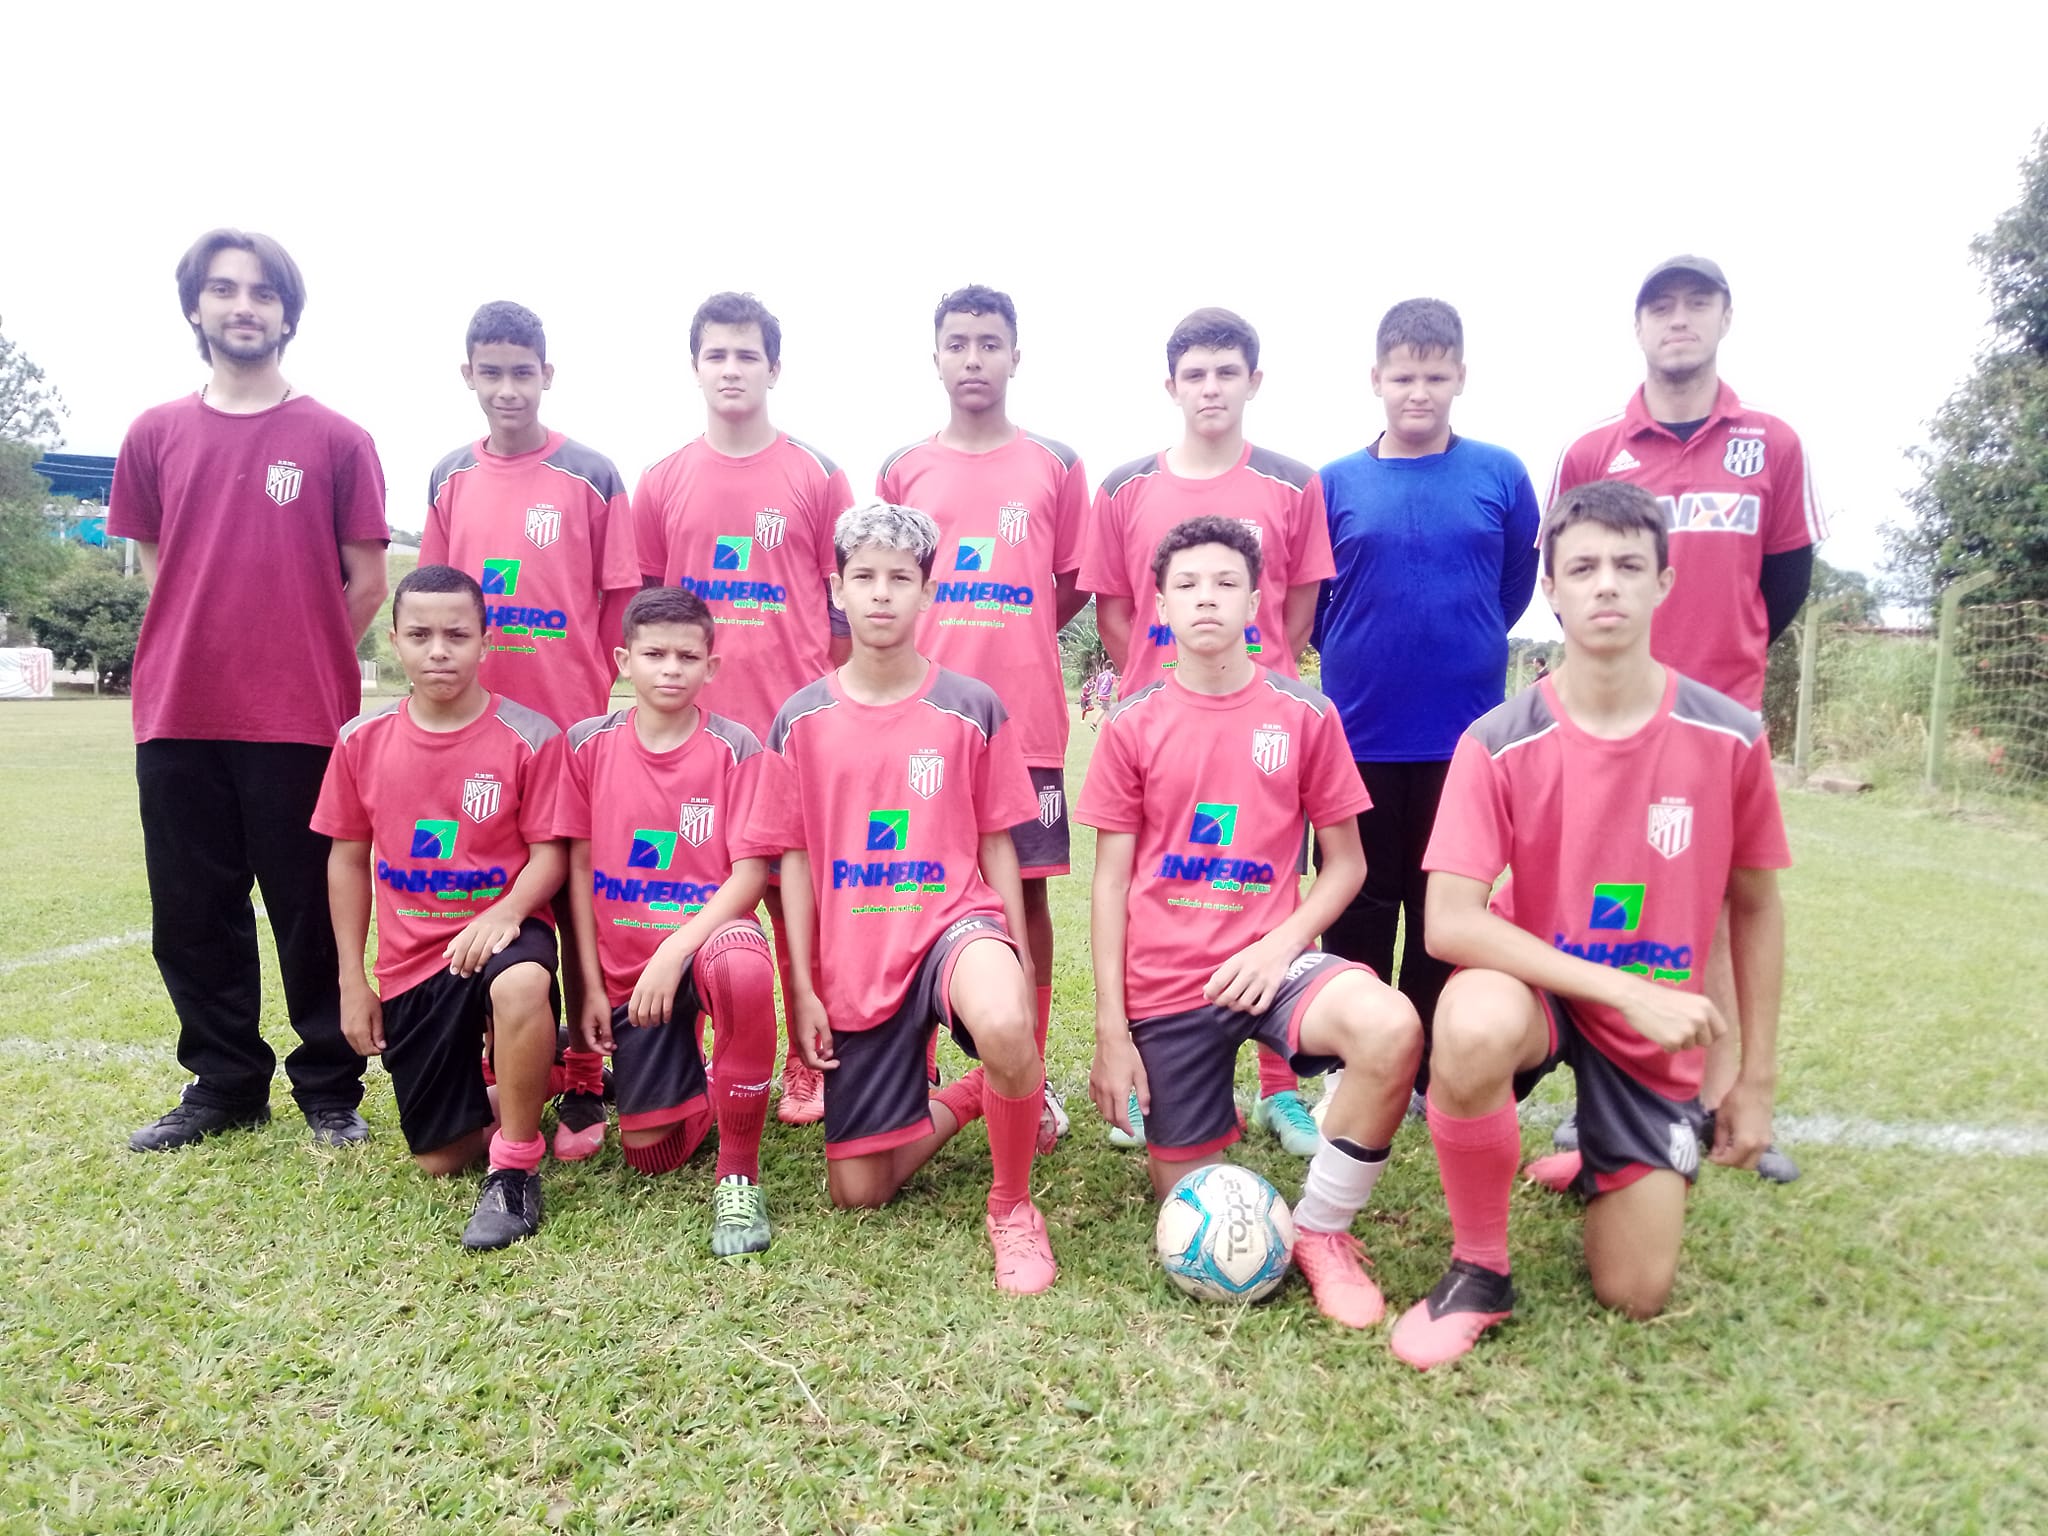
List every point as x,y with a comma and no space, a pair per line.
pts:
583,730
968,697
1697,704
451,465
588,464
824,463
1067,457
530,725
1144,693
1295,688
806,700
1520,718
740,741
896,457
368,715
1124,474
1277,466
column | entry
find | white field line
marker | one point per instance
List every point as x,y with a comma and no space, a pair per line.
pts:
81,950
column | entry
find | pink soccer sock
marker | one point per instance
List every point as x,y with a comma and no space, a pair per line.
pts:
1275,1076
737,982
965,1096
673,1150
581,1072
1044,1016
1012,1144
1476,1159
522,1155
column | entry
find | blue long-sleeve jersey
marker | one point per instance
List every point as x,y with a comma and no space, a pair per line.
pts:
1436,557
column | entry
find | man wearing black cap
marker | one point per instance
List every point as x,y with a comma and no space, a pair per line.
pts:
1739,501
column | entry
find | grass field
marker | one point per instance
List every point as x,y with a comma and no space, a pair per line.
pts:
254,1336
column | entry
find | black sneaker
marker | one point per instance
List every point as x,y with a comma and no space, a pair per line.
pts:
335,1126
507,1209
195,1122
1772,1166
1566,1137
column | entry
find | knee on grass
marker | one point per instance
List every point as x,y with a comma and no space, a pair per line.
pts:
1638,1290
457,1156
859,1188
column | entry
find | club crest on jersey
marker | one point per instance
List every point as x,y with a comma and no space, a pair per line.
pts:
1013,522
693,822
1745,456
480,798
1671,827
543,525
769,527
1269,750
282,481
1051,803
927,773
1255,528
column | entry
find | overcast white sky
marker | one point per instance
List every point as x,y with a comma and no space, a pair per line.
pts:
1111,165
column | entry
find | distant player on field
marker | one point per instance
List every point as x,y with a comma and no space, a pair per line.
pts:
1743,517
1010,508
542,523
1212,373
256,511
1435,543
441,804
1198,792
892,785
663,885
1627,799
743,517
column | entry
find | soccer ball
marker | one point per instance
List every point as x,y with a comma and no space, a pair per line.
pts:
1225,1234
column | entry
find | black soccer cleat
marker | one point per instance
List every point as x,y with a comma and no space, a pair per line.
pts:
189,1123
1446,1323
335,1126
507,1209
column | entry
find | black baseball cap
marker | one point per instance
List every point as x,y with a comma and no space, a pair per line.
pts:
1691,266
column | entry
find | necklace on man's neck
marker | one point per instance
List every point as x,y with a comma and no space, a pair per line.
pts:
286,396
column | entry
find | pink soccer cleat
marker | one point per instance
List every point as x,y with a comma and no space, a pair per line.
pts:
1446,1323
1334,1264
1024,1263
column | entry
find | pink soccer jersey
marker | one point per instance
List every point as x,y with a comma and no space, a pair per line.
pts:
448,815
1738,489
1279,499
1215,789
1010,522
1620,850
664,829
550,537
890,802
753,538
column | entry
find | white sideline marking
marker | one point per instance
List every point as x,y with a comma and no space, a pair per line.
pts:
1877,1135
88,947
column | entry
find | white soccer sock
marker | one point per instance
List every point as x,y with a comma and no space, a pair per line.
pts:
1340,1181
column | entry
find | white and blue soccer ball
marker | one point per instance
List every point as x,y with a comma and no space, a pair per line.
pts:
1225,1234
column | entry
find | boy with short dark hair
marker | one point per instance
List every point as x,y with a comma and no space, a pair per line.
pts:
1434,537
1212,368
663,885
1198,792
542,523
1010,508
743,516
892,786
1628,800
453,788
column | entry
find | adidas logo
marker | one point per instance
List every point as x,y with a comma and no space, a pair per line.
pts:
1623,460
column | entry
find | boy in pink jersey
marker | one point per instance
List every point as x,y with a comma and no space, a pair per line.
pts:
1010,507
892,785
541,521
1198,793
1212,373
1627,800
743,517
663,886
452,791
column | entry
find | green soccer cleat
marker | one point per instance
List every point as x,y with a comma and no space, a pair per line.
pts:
1288,1118
1135,1136
739,1217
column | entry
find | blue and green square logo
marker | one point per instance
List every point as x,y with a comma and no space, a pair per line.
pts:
1617,907
888,831
651,849
734,552
1215,824
501,578
975,555
433,839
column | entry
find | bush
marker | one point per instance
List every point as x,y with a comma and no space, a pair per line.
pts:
90,618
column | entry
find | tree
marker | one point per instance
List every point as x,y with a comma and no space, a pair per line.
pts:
30,556
1982,504
90,618
30,406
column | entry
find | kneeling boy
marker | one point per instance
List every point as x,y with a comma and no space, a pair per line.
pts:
454,788
1627,800
891,788
1198,792
663,915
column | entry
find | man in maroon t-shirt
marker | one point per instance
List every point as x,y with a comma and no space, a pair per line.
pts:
259,516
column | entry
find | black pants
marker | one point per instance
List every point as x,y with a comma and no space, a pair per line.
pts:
218,816
1395,832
